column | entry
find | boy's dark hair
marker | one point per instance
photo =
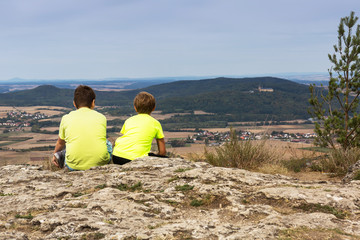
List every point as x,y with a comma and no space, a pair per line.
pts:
144,102
83,96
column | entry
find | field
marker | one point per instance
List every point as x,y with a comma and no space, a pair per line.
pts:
286,149
47,110
22,146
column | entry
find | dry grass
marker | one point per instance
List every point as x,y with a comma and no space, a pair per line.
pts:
339,161
250,155
270,168
305,233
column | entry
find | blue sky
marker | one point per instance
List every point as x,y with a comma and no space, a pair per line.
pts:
95,39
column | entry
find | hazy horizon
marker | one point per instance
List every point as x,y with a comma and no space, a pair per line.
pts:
94,39
305,75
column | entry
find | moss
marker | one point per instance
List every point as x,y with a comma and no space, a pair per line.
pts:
29,216
109,222
93,236
171,202
173,179
302,233
124,187
309,207
137,186
197,203
182,170
77,194
184,188
5,194
101,186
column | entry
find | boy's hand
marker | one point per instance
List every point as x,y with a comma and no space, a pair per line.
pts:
54,161
60,145
161,146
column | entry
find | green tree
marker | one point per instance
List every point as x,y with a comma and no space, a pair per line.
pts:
337,121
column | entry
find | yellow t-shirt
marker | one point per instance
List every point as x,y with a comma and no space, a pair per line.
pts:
138,134
84,132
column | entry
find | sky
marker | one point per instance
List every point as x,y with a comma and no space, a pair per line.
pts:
98,39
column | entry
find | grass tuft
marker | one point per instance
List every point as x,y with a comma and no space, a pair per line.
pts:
339,161
295,165
250,155
182,170
29,216
184,188
309,207
124,187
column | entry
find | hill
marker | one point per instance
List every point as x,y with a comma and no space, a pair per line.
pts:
236,98
173,199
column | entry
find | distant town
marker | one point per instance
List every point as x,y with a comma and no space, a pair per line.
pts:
219,138
17,120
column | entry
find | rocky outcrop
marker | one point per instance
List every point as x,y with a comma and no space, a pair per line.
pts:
155,198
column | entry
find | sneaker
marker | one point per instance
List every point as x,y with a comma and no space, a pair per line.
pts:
60,157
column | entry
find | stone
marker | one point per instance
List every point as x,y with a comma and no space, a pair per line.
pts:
352,171
155,198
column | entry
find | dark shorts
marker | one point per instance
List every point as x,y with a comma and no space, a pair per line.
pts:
122,161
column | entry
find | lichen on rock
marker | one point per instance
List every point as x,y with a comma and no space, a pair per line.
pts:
155,198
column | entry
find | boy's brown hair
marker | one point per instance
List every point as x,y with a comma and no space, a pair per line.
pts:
84,96
144,102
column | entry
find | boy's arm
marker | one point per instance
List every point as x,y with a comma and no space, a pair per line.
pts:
60,145
161,146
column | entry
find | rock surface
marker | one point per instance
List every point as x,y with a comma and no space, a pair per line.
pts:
155,198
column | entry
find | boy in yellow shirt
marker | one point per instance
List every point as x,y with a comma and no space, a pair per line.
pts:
139,131
83,132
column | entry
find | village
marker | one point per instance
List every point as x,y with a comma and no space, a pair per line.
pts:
218,138
17,120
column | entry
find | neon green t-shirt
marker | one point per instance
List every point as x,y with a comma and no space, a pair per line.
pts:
138,134
84,132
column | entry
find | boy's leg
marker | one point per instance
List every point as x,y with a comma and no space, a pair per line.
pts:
109,149
120,160
69,167
156,155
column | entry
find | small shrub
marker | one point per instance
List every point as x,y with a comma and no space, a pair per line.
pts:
122,187
357,175
196,203
316,167
248,154
77,194
295,165
339,161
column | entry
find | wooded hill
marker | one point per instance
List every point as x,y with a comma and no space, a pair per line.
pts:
230,99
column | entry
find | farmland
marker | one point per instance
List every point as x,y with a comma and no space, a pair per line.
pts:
23,145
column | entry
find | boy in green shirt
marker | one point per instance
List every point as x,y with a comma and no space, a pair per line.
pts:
83,132
139,131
